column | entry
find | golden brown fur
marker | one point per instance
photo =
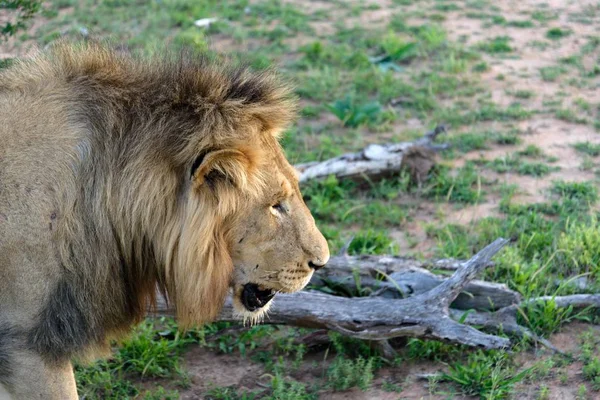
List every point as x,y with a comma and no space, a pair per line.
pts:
118,176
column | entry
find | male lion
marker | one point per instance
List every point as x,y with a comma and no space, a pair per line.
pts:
118,176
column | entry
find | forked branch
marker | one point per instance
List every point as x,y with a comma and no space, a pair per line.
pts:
426,315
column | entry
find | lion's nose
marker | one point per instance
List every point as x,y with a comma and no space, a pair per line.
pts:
315,265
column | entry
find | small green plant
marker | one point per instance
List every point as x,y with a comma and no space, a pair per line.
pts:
314,51
481,66
6,62
432,37
469,142
575,196
284,388
506,138
352,114
589,345
161,394
463,186
521,23
535,169
544,318
151,351
523,94
103,380
243,342
544,393
392,387
496,45
544,15
579,246
345,373
591,149
149,354
431,350
569,115
489,376
591,372
582,393
549,74
396,50
372,242
531,151
557,33
514,163
229,393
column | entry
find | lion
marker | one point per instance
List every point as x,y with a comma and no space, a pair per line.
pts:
121,176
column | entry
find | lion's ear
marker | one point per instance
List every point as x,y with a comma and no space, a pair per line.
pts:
228,166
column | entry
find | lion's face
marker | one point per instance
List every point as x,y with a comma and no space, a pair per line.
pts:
276,245
267,241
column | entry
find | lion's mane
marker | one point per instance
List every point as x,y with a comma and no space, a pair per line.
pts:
124,225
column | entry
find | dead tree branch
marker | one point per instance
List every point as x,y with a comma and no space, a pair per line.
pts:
425,315
378,160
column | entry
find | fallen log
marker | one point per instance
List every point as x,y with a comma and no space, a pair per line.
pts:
425,315
378,160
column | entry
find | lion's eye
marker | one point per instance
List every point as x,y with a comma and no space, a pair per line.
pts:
278,207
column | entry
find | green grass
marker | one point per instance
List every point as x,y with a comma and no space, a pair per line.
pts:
344,373
150,352
544,318
229,393
591,149
489,376
469,142
589,358
515,163
509,138
544,15
550,74
372,242
463,186
570,115
557,33
524,94
485,111
498,45
353,115
346,204
418,349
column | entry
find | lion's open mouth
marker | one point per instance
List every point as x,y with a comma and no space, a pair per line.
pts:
254,297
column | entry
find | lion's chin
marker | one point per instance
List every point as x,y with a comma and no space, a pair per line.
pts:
252,301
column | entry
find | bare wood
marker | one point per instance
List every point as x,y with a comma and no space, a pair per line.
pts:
425,315
375,160
397,277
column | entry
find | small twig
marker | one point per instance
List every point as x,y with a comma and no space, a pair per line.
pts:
344,250
426,377
439,129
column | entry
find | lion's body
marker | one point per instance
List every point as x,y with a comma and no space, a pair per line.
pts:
97,209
